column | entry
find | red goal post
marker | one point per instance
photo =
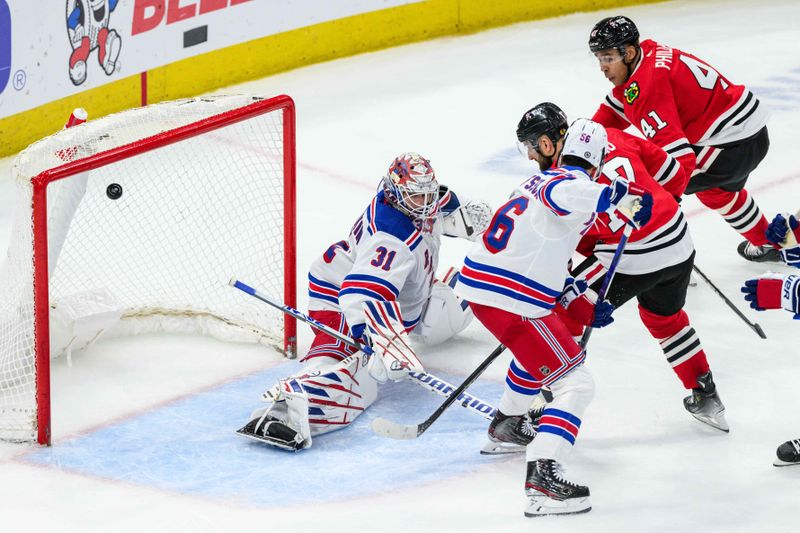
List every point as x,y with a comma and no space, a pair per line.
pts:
135,222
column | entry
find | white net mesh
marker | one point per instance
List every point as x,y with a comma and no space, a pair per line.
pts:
155,236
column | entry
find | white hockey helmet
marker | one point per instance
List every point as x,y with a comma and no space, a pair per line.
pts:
411,186
586,140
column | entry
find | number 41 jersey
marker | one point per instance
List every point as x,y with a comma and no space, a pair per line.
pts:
520,263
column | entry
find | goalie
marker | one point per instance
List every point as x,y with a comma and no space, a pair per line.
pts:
377,286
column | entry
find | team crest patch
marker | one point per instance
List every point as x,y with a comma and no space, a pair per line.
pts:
632,93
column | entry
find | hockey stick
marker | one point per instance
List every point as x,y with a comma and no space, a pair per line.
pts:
423,379
612,269
393,430
754,326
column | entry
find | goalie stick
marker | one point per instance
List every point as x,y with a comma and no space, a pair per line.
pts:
423,379
393,430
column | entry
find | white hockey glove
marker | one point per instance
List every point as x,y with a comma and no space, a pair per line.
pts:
468,221
393,357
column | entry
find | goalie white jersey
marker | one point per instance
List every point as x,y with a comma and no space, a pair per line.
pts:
385,257
520,264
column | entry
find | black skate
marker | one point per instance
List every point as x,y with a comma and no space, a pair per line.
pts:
549,493
704,404
788,453
759,254
272,431
511,434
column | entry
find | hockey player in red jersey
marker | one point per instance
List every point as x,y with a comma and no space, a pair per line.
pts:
512,278
714,128
377,286
777,291
657,262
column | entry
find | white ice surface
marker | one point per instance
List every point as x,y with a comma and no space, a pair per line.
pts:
650,467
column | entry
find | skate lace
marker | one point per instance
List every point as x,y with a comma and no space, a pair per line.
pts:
558,472
796,444
526,427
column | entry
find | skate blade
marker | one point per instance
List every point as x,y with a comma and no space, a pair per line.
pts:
501,448
716,422
265,440
544,506
780,463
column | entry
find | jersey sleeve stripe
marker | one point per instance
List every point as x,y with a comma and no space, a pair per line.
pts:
667,171
369,292
616,105
544,195
322,290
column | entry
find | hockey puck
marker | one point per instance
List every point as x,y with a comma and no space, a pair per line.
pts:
114,191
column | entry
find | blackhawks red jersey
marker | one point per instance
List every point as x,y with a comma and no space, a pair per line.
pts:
678,100
665,240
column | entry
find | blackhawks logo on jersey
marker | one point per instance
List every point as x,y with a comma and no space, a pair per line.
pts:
631,92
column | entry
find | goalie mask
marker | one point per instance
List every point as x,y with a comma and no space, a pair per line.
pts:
411,186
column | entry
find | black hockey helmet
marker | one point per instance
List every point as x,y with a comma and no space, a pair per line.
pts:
544,119
613,32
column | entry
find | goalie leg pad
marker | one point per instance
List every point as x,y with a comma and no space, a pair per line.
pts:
324,398
446,314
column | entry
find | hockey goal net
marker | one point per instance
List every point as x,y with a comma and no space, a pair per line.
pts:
135,222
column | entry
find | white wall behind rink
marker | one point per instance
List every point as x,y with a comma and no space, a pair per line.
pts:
152,33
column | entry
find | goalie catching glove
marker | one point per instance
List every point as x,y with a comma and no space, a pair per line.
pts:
393,357
468,221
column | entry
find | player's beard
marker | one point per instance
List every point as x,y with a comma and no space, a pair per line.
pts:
545,163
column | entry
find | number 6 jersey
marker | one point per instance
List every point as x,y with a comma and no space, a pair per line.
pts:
520,263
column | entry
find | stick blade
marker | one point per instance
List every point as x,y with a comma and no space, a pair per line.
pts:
759,331
393,430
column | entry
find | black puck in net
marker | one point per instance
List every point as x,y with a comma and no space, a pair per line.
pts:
114,191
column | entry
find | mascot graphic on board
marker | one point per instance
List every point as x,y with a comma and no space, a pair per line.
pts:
87,27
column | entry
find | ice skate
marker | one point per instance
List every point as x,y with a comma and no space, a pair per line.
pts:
549,493
705,405
758,254
788,453
270,430
511,434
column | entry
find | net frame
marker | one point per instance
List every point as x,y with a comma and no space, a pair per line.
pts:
39,214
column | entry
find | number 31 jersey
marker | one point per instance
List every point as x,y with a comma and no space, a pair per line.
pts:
520,263
385,257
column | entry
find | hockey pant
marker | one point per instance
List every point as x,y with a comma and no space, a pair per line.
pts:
719,180
661,296
544,354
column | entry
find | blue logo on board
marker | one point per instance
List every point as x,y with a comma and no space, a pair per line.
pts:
5,44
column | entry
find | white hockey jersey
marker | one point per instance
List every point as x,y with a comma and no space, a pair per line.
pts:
385,257
520,263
